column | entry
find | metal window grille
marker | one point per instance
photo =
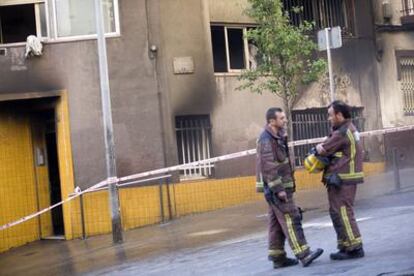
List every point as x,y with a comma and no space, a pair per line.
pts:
313,123
408,7
324,13
407,84
194,144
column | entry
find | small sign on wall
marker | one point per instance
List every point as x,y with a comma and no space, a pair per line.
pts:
183,65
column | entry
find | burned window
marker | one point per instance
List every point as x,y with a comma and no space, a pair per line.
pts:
324,13
236,48
219,49
231,51
17,22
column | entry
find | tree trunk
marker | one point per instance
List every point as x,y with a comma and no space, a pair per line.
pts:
288,111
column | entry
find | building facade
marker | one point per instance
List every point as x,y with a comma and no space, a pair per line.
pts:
173,70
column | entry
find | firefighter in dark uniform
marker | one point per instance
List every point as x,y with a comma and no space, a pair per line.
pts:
341,177
275,178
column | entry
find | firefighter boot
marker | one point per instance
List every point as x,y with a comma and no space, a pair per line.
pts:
282,261
343,255
308,259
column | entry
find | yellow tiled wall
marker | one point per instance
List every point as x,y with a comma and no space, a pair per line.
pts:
17,180
64,148
141,205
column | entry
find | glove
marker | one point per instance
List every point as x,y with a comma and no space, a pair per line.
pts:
334,180
269,195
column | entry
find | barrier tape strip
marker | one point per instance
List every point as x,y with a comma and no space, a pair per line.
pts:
191,165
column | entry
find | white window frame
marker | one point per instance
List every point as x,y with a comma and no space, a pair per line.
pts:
231,71
36,4
51,17
56,38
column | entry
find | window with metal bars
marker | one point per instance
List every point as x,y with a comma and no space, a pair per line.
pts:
406,65
313,123
194,144
324,13
408,7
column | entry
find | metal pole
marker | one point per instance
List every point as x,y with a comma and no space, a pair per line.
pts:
328,51
161,203
108,127
396,169
82,217
169,199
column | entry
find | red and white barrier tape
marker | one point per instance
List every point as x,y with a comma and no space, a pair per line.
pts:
190,165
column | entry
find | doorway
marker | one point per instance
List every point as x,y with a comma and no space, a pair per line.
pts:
53,172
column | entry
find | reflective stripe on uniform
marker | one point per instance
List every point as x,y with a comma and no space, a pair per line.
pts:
353,152
297,249
349,176
276,252
275,182
352,174
348,228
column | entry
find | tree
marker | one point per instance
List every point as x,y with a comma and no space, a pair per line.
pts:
286,53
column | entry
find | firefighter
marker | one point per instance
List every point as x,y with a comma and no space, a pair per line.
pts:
341,177
275,176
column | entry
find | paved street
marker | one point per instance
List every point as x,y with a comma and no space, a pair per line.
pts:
233,241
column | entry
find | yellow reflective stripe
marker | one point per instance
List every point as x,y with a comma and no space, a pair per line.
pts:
296,247
274,183
351,176
347,224
283,162
353,151
276,252
354,242
338,154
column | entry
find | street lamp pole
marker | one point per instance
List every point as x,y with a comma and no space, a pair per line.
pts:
108,127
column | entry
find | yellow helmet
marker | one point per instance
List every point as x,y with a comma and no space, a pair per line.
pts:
313,164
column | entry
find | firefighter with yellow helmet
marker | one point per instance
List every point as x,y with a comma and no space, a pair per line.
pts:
341,175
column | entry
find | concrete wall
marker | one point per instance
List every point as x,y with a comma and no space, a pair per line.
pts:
388,42
73,66
229,11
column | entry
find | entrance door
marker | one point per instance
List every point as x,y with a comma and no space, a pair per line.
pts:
54,176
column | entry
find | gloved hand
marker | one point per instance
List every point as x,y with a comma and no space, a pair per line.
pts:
334,180
268,194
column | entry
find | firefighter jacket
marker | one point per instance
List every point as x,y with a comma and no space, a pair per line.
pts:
344,150
273,167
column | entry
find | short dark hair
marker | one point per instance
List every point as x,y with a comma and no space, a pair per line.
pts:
271,113
341,107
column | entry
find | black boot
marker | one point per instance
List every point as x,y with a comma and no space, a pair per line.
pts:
308,259
283,262
343,255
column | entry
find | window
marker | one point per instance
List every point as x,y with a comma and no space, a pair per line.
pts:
194,143
313,123
77,17
408,7
73,19
325,13
406,77
19,19
231,51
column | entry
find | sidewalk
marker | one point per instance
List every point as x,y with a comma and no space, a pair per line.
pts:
237,236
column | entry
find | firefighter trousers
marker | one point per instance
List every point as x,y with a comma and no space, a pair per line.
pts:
285,222
341,202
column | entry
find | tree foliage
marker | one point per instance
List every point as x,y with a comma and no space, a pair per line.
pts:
287,53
